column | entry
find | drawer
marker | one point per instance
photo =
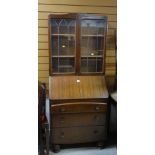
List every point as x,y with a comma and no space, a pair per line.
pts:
79,107
83,119
78,135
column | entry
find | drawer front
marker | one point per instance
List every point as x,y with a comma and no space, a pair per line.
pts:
79,107
78,135
83,119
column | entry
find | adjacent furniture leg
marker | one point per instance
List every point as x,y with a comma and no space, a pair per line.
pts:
47,138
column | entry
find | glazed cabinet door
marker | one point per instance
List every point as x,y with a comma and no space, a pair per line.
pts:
92,40
77,43
62,44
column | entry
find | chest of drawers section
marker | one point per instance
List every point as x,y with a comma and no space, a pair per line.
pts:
79,122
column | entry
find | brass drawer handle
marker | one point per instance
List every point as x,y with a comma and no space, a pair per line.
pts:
97,108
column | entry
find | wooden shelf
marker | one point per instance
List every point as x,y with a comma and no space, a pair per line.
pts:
65,66
89,56
73,35
63,73
63,56
86,72
64,35
92,35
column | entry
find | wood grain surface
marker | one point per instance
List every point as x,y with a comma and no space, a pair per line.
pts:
67,87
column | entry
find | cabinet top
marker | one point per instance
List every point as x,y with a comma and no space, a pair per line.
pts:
77,87
74,15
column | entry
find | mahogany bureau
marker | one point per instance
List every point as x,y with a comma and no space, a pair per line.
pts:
79,109
77,90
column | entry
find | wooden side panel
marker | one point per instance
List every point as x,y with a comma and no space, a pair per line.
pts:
111,83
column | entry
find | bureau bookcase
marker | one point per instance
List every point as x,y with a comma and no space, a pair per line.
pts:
77,89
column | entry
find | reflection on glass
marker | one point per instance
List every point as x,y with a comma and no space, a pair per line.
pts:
63,45
92,27
63,65
91,65
63,26
92,45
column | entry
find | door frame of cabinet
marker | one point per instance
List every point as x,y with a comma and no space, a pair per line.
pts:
77,17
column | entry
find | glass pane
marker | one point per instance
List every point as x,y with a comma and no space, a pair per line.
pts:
63,26
91,65
84,67
99,65
92,44
63,45
92,27
62,65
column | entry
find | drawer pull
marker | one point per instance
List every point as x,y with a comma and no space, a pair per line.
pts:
97,108
62,109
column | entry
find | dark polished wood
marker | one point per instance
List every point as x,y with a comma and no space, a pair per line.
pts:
77,87
62,16
78,99
78,134
65,120
80,107
84,117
